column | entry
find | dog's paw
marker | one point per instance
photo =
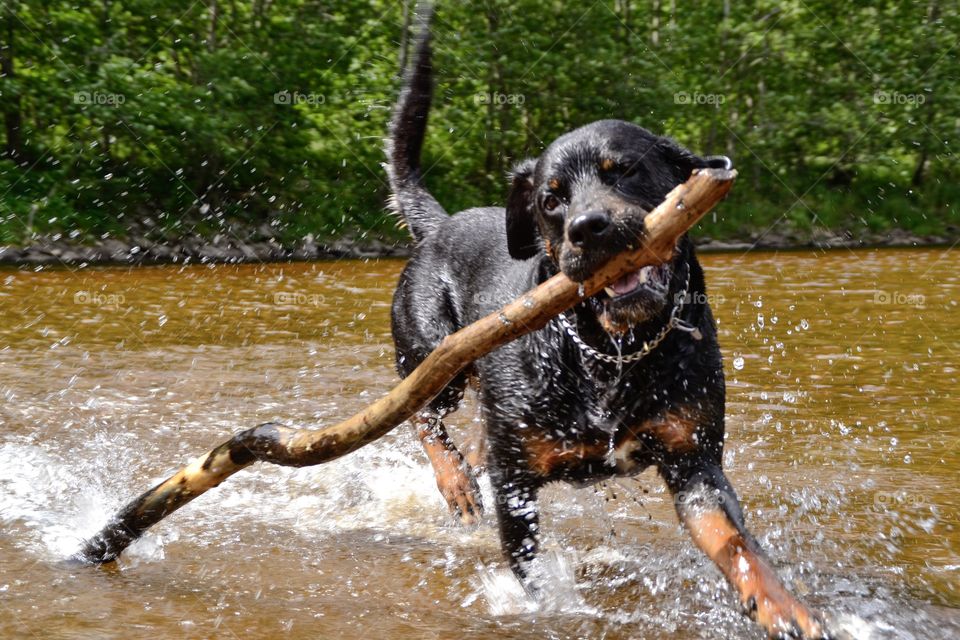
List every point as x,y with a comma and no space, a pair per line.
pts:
459,488
783,616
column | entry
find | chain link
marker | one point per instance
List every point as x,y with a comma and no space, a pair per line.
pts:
674,322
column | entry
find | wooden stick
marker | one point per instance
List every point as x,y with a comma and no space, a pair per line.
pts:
303,447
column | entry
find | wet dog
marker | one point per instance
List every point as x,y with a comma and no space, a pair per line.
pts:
629,378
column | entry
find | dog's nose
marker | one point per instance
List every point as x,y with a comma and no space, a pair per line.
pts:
588,227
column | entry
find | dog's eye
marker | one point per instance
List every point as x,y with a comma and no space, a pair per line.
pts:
612,173
551,202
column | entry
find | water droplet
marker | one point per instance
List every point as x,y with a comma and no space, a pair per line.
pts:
738,363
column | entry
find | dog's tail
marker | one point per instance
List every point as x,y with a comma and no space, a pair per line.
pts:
409,198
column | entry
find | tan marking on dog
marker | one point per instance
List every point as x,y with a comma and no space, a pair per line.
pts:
548,246
473,380
623,455
545,456
677,432
606,164
554,183
453,474
760,590
611,327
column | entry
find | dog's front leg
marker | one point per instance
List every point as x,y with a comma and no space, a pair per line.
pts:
709,509
517,515
455,478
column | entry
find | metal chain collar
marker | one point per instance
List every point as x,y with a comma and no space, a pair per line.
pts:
674,322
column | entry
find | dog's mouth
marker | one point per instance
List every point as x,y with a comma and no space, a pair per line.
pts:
634,298
650,279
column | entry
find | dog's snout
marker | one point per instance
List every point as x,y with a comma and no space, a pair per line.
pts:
588,227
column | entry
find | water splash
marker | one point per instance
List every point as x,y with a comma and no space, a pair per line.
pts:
504,595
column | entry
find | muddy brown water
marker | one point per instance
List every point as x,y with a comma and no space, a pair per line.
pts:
843,441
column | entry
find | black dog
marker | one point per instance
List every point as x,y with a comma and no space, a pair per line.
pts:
630,378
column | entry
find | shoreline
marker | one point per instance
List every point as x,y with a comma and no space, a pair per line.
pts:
139,251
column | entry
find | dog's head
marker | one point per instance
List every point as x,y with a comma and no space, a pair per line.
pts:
584,200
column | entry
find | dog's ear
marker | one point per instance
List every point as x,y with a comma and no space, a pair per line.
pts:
683,162
522,234
718,162
680,161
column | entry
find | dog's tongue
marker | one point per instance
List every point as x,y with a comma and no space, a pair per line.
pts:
626,284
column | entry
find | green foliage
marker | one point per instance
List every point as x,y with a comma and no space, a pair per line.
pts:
168,118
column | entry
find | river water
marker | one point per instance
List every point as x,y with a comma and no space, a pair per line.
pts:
843,441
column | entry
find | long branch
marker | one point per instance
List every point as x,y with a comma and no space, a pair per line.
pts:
278,444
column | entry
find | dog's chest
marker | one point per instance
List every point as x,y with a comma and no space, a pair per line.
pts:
552,458
583,456
570,422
